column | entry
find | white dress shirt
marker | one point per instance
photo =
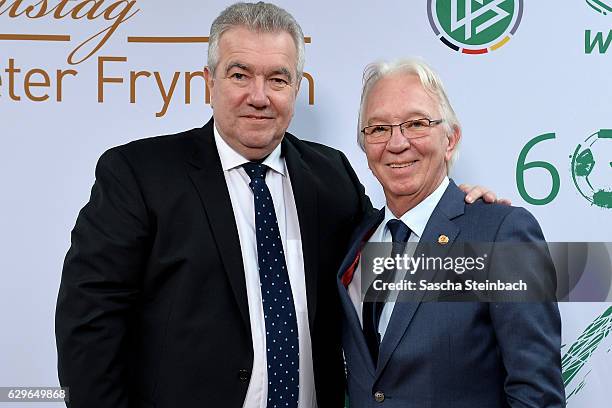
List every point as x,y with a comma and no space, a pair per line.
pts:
416,219
241,197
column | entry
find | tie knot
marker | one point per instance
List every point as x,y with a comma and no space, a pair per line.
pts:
255,170
399,231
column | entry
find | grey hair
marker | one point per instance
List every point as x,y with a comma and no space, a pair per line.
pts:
258,17
428,78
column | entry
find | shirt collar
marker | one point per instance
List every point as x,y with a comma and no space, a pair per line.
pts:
231,159
416,219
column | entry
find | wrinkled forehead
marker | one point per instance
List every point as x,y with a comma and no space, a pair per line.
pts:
263,41
400,96
259,51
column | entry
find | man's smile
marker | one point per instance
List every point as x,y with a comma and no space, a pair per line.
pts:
399,165
257,117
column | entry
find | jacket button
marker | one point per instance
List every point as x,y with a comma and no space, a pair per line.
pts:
243,375
379,396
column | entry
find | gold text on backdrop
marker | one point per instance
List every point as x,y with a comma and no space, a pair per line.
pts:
116,11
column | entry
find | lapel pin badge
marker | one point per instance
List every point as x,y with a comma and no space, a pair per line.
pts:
443,239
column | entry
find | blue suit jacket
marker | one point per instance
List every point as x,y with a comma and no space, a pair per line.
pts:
459,354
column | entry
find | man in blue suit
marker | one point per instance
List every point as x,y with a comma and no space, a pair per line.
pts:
439,354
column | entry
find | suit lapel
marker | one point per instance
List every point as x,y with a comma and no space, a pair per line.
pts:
348,307
210,184
451,205
305,196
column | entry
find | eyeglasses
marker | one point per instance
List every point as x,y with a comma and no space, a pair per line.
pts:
411,129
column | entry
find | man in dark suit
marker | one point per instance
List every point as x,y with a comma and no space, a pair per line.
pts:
160,301
439,354
185,262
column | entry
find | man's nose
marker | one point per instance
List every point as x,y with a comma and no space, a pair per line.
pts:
397,143
258,93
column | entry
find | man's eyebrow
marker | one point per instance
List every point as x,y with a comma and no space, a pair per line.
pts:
239,65
282,71
374,120
417,114
277,71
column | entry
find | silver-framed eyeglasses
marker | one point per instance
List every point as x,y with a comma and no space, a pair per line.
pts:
410,129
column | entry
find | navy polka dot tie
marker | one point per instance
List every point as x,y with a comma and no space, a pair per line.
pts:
279,310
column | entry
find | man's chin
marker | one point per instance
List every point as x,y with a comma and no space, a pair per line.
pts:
257,125
402,190
266,142
259,146
260,138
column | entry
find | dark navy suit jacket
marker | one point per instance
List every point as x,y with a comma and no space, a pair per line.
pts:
460,354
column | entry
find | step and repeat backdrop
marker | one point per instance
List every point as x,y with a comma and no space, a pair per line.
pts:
531,82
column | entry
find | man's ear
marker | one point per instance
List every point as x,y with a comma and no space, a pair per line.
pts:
208,77
453,142
297,85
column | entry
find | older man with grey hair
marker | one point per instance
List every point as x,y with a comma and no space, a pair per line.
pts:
201,271
428,354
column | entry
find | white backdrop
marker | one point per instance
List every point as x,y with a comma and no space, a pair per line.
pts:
541,81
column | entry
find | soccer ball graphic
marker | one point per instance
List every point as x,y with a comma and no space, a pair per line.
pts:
592,168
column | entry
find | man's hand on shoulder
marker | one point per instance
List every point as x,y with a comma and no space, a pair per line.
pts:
473,193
